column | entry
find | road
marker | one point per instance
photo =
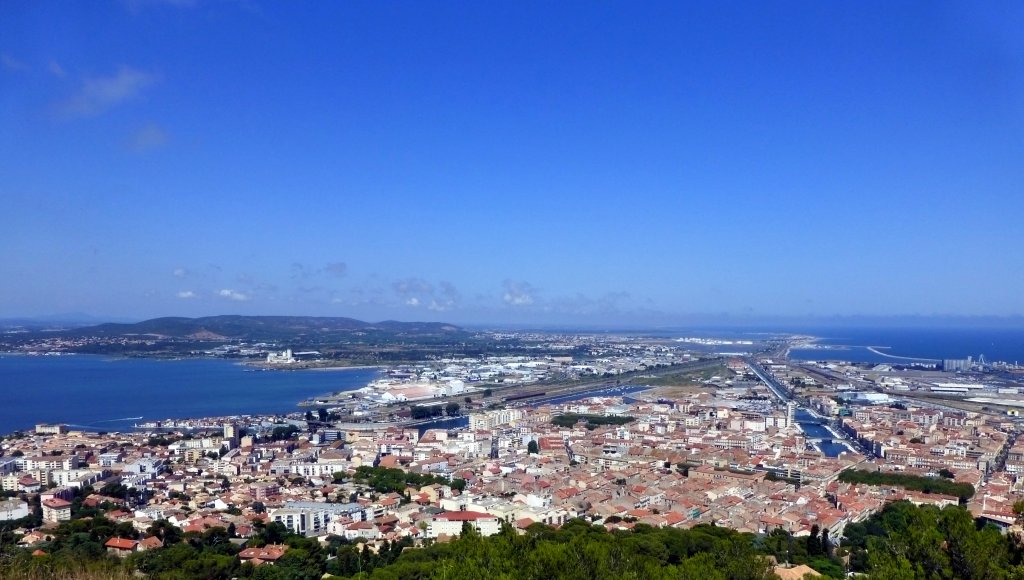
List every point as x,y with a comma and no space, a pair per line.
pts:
773,385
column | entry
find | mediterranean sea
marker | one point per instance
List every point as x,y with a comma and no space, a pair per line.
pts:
109,394
894,345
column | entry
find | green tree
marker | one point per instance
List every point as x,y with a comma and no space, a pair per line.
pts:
813,542
532,448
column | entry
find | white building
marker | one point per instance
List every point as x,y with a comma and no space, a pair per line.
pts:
310,518
450,523
13,509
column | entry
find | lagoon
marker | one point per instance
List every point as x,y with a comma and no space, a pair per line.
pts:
110,394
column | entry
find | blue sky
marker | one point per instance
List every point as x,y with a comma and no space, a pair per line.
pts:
592,162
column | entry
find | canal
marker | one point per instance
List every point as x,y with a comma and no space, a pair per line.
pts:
813,427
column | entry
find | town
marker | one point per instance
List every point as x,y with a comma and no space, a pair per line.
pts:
755,443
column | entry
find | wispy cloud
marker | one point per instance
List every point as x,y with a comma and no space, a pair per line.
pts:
55,69
411,286
336,269
12,64
233,295
300,271
99,94
518,293
180,272
446,298
150,136
187,295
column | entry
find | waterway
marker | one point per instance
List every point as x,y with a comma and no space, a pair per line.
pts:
109,394
904,345
813,427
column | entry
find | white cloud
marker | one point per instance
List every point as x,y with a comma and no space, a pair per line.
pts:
187,295
150,136
412,302
518,293
180,272
98,94
233,295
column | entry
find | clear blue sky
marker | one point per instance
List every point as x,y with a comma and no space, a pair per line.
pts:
602,162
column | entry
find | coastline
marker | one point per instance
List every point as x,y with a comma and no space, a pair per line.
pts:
331,369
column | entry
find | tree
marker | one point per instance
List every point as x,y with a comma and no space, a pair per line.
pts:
309,415
322,414
452,409
488,392
283,432
458,484
532,448
813,542
1018,507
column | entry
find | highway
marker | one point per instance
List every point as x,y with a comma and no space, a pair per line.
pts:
777,389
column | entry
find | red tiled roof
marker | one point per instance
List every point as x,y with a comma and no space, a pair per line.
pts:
267,553
121,543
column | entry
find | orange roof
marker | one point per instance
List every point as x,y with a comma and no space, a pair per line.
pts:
267,553
121,543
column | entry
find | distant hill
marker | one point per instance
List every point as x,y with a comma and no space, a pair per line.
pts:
263,327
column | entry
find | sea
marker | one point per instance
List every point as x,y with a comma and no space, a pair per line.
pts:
895,345
100,393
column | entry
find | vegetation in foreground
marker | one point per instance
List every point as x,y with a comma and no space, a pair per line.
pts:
901,542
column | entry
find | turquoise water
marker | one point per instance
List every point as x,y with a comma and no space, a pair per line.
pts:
101,393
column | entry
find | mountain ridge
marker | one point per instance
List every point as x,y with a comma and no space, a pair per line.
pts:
236,326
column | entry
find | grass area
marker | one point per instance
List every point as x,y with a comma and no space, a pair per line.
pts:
592,421
688,377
